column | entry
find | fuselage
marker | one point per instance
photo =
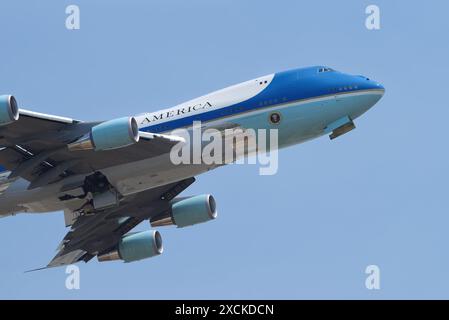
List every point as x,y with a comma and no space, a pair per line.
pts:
305,101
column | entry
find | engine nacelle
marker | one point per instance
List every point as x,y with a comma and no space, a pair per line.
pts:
108,135
9,111
136,246
188,211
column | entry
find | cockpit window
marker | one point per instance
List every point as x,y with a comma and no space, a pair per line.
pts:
325,69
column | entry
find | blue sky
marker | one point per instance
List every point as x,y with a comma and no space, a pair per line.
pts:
377,195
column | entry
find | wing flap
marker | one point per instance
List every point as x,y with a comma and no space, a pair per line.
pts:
68,258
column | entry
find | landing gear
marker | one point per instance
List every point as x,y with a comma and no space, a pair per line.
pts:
97,193
96,183
103,195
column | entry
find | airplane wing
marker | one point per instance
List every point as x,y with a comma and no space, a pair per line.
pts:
97,233
35,148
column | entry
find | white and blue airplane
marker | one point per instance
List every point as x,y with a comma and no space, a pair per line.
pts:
110,176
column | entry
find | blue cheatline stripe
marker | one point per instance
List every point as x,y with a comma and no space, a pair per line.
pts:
277,92
2,169
286,87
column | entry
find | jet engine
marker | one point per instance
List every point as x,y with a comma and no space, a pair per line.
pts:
112,134
9,112
187,212
135,246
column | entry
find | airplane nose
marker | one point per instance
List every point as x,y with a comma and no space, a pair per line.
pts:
377,89
367,83
370,93
379,86
374,85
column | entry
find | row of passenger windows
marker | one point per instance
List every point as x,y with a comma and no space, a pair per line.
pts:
230,111
271,101
354,87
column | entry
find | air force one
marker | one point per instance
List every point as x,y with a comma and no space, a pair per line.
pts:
110,176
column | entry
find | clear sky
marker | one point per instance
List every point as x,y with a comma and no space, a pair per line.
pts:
377,195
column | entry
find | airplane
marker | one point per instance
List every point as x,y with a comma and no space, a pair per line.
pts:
109,176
